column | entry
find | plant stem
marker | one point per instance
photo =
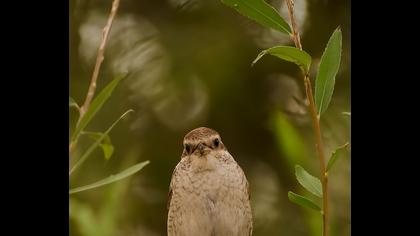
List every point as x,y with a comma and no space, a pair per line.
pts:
315,124
99,60
295,33
320,148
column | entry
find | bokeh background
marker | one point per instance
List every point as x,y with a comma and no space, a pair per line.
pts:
190,65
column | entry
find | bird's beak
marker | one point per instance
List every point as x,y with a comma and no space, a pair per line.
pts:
201,148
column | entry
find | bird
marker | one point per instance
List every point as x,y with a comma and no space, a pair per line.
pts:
209,193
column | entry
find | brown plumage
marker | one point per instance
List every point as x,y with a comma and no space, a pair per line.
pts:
209,193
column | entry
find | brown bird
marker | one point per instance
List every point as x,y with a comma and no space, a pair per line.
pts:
208,193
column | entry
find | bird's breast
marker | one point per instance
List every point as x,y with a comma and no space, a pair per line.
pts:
212,201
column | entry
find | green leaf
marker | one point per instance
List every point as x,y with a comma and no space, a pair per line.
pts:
328,68
108,150
94,145
292,54
309,182
303,201
261,12
73,103
346,113
105,144
113,178
96,105
335,154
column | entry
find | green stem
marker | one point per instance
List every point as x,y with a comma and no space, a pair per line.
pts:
316,127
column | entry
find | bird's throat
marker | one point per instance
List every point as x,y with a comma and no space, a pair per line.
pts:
203,163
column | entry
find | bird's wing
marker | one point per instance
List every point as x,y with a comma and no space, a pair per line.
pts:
170,189
249,198
248,193
248,190
169,198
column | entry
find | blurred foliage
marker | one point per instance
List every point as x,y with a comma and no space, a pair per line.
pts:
189,66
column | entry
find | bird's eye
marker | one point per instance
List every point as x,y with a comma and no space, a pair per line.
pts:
187,148
216,142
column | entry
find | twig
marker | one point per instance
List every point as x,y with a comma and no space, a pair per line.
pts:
315,124
295,33
99,60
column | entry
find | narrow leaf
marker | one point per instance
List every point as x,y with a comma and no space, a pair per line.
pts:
340,150
303,201
96,105
346,113
328,68
94,145
309,182
73,103
105,144
261,12
292,54
113,178
108,150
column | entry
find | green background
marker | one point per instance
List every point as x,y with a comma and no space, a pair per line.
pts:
190,66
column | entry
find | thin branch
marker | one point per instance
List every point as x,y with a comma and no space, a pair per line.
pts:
315,124
295,33
99,60
320,148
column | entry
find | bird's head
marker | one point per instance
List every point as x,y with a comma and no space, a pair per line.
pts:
202,141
